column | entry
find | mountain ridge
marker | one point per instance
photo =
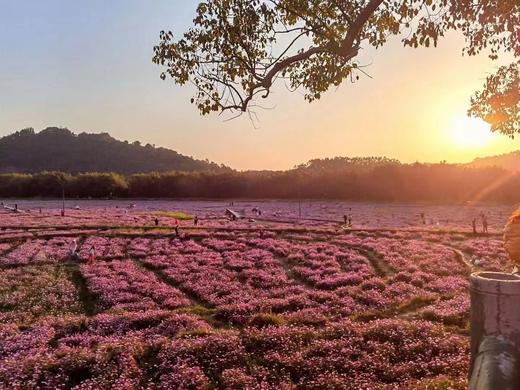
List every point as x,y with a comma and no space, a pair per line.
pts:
59,149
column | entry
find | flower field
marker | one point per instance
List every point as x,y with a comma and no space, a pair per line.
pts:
265,302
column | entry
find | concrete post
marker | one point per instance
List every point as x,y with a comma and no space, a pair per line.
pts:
496,366
495,330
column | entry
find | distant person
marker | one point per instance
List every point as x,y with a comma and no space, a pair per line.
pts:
350,220
74,246
16,206
474,225
156,221
196,220
423,219
91,255
74,256
62,213
484,224
176,227
259,212
345,219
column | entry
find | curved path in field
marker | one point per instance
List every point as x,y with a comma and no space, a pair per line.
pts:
48,231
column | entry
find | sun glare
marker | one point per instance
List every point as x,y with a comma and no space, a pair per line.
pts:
468,132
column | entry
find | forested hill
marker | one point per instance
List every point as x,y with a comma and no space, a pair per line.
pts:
508,161
57,149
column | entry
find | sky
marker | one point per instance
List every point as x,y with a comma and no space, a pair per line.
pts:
87,66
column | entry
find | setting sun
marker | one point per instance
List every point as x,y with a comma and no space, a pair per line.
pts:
468,132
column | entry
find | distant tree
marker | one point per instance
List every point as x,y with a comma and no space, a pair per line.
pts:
236,49
378,182
26,131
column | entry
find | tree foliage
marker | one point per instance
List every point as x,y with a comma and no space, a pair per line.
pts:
237,49
499,102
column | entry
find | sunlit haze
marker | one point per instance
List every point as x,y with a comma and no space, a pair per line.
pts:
87,66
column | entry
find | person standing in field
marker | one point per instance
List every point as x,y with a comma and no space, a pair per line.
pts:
156,221
474,225
484,224
74,255
196,220
91,255
345,219
176,227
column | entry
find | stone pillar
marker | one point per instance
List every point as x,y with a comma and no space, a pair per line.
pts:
495,330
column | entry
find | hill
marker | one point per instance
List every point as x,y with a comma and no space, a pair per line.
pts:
59,149
507,161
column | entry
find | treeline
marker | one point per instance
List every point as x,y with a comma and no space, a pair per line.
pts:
386,182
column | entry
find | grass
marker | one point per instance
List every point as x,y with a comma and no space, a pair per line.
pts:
193,333
205,313
173,214
197,310
266,319
409,307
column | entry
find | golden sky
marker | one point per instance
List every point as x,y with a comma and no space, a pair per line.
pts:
91,70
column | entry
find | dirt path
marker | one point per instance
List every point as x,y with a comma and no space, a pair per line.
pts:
86,297
167,230
461,257
282,260
195,299
376,259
